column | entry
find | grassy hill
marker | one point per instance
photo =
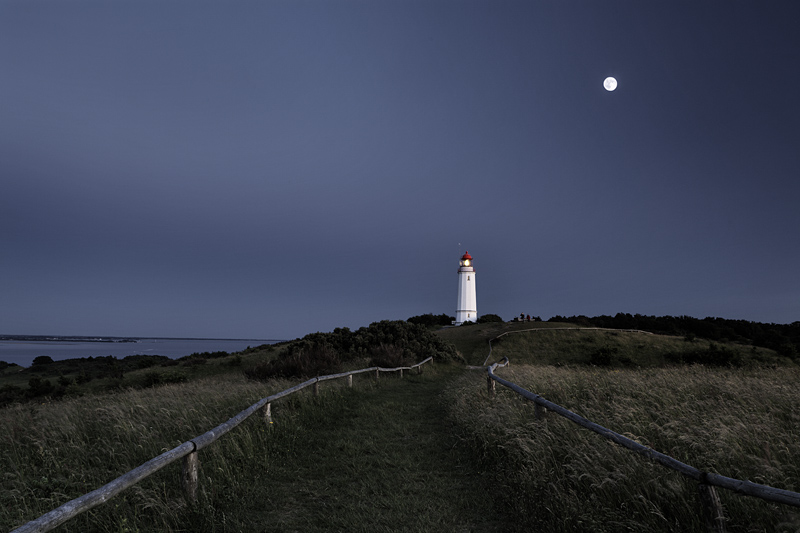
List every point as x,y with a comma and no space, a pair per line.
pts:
553,343
425,453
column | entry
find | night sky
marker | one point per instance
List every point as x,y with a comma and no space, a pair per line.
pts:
267,169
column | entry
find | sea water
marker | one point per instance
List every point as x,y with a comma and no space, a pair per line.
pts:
23,352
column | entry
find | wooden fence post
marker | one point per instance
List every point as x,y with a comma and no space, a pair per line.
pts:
266,414
350,381
401,373
419,369
190,475
376,374
316,388
713,515
539,411
490,387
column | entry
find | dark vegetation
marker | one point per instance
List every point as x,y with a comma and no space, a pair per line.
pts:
431,320
782,338
70,377
386,344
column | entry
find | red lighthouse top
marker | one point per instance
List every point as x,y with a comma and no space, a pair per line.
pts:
466,261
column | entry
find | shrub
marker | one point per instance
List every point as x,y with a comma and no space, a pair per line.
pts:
151,379
145,363
39,387
485,319
604,356
389,356
42,360
321,353
298,362
10,394
432,320
714,355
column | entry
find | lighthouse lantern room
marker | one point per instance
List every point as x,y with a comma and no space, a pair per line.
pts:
467,307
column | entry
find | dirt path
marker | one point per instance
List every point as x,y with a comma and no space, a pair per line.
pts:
384,460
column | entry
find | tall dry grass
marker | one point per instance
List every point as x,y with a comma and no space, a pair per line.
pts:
555,476
52,453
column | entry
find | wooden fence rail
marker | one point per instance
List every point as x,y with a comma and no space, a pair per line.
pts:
707,480
188,451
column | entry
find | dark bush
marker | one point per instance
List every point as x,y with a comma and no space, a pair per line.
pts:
432,320
10,394
42,360
299,361
321,353
145,363
173,377
113,368
151,379
39,387
204,355
389,356
714,355
488,318
603,357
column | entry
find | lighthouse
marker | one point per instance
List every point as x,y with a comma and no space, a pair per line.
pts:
467,308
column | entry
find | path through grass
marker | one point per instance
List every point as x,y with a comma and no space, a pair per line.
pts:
379,458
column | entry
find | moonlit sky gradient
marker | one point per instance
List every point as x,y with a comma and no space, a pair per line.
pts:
265,169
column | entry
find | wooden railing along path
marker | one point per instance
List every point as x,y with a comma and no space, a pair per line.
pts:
188,451
713,514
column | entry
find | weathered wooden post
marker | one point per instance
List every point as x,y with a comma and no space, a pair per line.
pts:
190,475
539,411
401,373
419,369
350,380
376,374
316,388
266,414
713,515
490,387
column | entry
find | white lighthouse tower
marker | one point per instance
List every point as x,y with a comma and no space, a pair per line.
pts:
467,308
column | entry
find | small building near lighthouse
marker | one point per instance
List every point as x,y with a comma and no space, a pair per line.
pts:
467,307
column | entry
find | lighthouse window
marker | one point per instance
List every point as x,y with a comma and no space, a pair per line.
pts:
467,278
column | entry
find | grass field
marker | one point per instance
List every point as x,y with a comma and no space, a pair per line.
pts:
556,476
549,343
429,452
377,457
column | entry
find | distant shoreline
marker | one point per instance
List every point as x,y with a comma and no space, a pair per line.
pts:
97,338
23,349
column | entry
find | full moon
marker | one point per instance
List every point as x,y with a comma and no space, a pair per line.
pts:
610,83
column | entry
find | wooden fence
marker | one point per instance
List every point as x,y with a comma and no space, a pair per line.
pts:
188,451
712,508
